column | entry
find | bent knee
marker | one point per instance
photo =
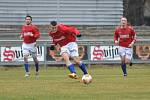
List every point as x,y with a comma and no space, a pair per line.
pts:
128,61
77,60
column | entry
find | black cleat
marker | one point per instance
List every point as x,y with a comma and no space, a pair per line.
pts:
130,64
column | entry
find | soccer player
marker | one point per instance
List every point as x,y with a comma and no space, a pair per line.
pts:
125,38
64,39
30,33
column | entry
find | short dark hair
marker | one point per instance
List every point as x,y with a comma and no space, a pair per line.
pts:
29,16
53,23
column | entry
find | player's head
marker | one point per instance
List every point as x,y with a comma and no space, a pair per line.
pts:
53,26
28,19
124,21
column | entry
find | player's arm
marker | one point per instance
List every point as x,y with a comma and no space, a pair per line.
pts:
133,38
53,55
52,47
36,32
55,46
72,30
77,32
116,37
21,34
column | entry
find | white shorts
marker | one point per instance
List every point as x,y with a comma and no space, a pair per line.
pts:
71,48
127,52
28,49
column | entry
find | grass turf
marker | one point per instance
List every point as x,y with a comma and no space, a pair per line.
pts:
54,84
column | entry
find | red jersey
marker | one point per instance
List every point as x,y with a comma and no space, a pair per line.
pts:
125,36
64,35
27,31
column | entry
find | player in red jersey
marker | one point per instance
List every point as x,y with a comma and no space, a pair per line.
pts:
125,38
30,33
64,39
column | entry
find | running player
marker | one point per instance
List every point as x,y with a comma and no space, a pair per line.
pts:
64,39
125,38
30,33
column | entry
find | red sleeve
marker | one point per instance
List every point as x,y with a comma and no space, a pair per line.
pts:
53,42
133,35
116,36
50,34
36,32
71,30
76,31
22,32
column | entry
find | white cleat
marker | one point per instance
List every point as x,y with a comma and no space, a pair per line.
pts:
37,75
27,74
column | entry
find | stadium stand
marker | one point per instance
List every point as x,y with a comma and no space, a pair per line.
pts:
88,32
94,18
74,12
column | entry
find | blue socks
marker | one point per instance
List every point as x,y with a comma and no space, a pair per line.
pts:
26,66
71,68
83,68
37,67
123,66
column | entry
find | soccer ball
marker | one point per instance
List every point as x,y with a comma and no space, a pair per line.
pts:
86,79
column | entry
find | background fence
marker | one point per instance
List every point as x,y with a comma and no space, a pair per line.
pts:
90,51
73,12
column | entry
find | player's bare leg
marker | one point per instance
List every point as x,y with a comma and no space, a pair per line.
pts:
26,66
36,66
70,66
128,61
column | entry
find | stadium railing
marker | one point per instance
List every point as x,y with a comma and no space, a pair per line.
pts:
100,51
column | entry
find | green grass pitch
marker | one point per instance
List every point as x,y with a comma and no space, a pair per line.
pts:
54,84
